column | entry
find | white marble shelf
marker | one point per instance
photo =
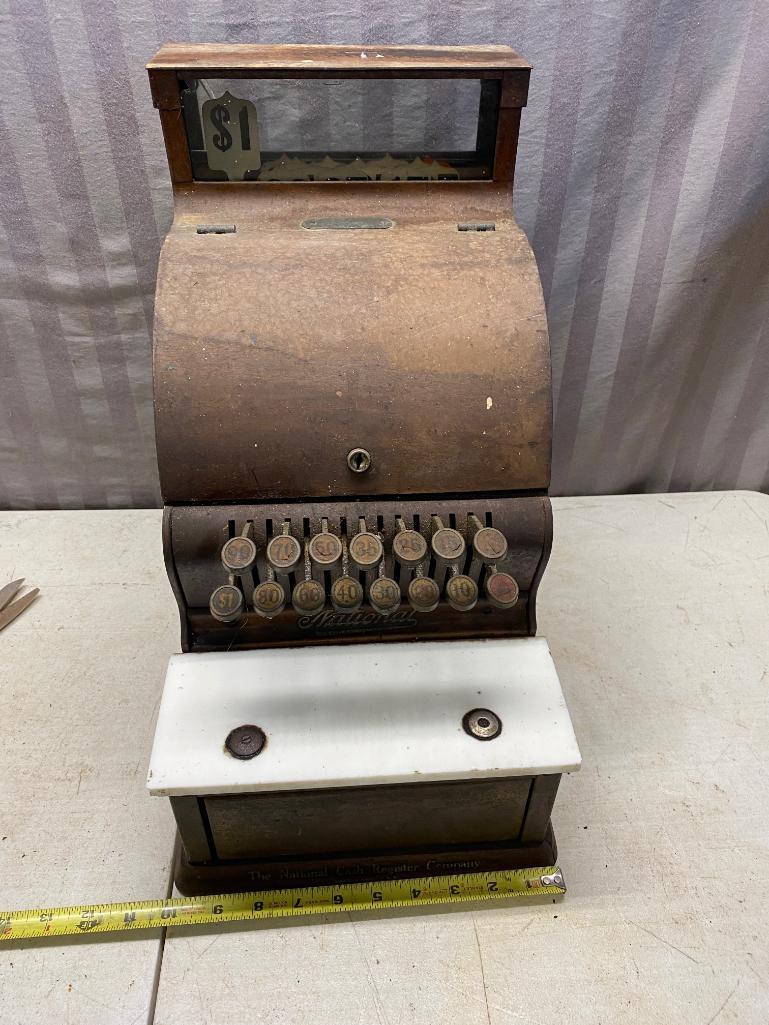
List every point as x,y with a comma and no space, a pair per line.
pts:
354,715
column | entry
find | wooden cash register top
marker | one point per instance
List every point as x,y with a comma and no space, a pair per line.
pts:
211,58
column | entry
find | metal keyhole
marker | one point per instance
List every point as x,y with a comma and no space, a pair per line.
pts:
359,460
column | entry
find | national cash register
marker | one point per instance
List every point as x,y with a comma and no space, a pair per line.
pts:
353,420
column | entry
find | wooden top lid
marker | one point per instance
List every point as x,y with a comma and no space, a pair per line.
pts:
210,57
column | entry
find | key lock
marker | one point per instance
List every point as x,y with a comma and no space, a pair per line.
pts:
238,555
490,547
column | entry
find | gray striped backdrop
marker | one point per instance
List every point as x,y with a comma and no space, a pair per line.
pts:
642,183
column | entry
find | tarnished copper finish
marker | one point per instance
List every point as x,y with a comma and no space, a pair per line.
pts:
284,553
226,604
384,595
421,315
346,594
269,599
308,597
359,373
238,554
353,377
424,594
325,549
489,544
409,548
366,551
448,545
501,590
461,592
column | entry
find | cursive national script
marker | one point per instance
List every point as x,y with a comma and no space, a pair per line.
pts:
358,620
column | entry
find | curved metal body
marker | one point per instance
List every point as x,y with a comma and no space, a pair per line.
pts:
280,348
298,321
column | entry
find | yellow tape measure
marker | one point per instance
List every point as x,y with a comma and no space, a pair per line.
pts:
304,900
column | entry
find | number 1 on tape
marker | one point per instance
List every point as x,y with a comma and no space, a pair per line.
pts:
306,900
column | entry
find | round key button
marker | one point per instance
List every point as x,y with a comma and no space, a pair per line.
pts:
409,547
501,590
461,592
424,594
284,552
325,549
448,544
346,594
490,544
308,597
384,595
238,554
226,603
366,550
269,599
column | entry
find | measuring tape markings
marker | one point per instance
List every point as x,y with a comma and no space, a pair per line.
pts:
258,905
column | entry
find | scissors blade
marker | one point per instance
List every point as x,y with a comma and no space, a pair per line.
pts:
17,608
8,593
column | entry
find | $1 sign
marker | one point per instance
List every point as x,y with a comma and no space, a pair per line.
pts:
219,117
231,136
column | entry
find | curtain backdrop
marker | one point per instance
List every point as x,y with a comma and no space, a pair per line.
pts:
642,183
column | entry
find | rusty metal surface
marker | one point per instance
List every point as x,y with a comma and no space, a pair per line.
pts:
326,356
194,537
279,349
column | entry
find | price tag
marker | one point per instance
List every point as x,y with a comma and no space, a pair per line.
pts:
231,135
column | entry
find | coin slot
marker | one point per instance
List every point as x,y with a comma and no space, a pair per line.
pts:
477,226
216,229
348,223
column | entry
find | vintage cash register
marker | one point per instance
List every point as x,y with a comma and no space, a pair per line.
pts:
353,417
